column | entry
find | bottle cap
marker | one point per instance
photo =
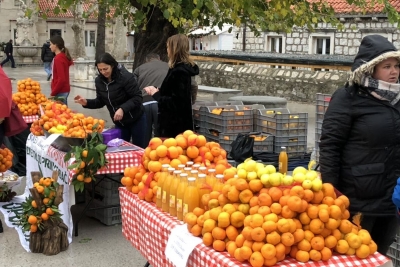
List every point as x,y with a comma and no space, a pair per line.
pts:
202,175
187,169
177,172
202,168
219,176
181,166
211,170
189,163
183,174
194,171
171,169
165,166
196,166
191,179
283,147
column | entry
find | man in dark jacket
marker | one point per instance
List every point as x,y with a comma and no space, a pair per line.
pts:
9,53
152,72
360,140
47,58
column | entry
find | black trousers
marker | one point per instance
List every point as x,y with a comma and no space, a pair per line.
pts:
9,58
151,111
383,230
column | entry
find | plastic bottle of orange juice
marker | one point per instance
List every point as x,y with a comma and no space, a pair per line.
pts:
210,179
180,194
203,169
172,192
202,186
187,170
189,164
165,191
160,183
283,161
196,166
181,167
191,197
219,183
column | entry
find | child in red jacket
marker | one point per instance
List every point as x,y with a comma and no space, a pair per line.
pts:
60,85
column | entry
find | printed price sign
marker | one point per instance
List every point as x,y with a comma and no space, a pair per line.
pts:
180,245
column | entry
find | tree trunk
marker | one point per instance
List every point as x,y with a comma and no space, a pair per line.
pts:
154,38
101,29
119,42
78,27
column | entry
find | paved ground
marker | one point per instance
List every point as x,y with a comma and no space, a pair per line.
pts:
107,246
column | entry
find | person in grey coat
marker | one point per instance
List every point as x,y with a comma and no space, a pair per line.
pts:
152,72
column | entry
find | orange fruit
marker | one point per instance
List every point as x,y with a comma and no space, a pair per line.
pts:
258,234
273,238
287,239
208,239
256,259
245,252
219,245
345,226
32,219
44,216
342,246
33,228
315,255
302,256
317,242
316,226
268,251
326,254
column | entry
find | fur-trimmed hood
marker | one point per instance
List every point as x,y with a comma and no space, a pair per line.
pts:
373,50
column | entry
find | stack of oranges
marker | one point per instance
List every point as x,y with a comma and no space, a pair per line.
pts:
264,225
174,151
77,124
6,157
28,97
46,187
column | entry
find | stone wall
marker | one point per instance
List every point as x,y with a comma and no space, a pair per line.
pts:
302,41
295,85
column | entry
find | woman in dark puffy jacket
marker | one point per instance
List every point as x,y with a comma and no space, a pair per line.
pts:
117,89
360,141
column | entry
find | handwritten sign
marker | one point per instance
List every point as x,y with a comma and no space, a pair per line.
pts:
180,245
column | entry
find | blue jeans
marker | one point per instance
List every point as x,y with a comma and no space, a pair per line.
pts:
47,67
135,131
65,96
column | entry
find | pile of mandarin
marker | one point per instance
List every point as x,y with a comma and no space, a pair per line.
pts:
28,97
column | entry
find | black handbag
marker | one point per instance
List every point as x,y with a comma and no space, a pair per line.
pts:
242,147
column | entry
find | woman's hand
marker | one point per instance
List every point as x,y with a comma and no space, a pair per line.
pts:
119,114
80,100
151,90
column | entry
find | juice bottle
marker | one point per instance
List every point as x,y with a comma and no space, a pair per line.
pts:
283,161
165,191
219,183
181,167
191,197
203,169
187,170
172,192
160,184
210,179
196,166
179,195
189,164
202,187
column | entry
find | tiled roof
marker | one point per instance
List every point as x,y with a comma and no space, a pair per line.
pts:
342,7
47,8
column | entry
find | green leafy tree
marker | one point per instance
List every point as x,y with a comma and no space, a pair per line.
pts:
155,20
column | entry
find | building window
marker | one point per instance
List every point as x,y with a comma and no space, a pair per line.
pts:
54,32
321,44
90,38
275,43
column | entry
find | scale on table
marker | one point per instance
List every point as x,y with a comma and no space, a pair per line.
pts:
111,149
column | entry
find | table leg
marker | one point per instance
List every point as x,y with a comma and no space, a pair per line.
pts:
84,210
147,264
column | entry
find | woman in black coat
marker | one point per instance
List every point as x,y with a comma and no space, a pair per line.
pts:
360,141
174,97
117,89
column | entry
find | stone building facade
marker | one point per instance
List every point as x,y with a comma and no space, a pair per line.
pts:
54,24
324,40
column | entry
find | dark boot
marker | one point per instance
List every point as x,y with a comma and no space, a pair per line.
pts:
1,227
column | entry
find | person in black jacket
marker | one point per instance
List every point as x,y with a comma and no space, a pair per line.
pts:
360,141
9,53
47,58
174,97
117,89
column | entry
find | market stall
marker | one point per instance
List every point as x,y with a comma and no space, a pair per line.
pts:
148,229
43,157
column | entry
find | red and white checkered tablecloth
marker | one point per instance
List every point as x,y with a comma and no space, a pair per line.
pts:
148,229
117,161
30,119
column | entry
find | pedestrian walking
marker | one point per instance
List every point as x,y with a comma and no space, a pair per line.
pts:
9,53
47,58
60,85
152,72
